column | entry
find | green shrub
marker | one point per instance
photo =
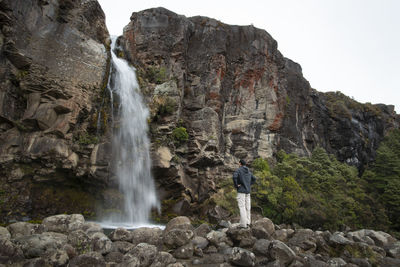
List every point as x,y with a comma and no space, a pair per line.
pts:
156,75
180,134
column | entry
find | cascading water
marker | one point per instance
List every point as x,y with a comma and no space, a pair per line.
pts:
131,146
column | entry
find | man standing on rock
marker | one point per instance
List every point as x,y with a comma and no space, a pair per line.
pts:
242,180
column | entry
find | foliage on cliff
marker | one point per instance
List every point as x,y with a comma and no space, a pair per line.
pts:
384,177
320,192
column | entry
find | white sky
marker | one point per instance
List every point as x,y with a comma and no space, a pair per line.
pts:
352,46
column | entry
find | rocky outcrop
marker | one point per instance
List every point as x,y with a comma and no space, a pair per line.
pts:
53,67
237,97
68,240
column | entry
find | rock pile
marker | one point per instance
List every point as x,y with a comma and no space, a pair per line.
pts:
67,240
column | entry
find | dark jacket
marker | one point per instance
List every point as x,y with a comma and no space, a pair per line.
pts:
243,179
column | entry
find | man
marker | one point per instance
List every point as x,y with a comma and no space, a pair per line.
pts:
242,180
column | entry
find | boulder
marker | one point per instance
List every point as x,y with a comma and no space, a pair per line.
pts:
100,242
180,222
4,233
19,229
242,257
63,223
200,242
88,259
114,257
393,250
217,237
241,237
37,245
163,259
152,236
304,239
184,252
144,253
57,258
261,247
10,252
121,234
177,237
265,224
338,239
202,230
280,251
121,246
336,262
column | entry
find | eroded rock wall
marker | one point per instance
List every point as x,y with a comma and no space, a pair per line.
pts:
237,97
53,67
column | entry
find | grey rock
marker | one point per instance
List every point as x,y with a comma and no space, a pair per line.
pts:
163,259
152,236
280,251
184,252
19,229
200,242
337,239
57,258
10,252
202,230
304,239
180,222
265,224
242,257
121,234
115,257
393,250
145,253
63,223
217,237
261,247
241,237
100,242
121,246
93,259
390,262
336,262
177,237
4,233
37,245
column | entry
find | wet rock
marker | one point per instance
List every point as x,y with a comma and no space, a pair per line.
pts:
242,257
88,259
280,251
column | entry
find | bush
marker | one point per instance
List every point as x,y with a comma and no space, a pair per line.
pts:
180,134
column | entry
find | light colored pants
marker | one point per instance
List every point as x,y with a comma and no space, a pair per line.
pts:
244,208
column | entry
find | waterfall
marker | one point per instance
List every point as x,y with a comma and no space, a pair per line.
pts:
131,145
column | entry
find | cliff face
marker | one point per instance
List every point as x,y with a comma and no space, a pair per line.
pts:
238,97
53,65
227,86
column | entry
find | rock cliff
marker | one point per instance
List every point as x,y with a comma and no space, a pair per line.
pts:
53,66
237,97
216,93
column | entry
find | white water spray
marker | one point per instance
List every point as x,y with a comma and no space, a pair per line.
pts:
131,147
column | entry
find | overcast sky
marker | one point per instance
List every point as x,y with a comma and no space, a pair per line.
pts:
352,46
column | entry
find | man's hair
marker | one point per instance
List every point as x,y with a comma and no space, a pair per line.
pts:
242,162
